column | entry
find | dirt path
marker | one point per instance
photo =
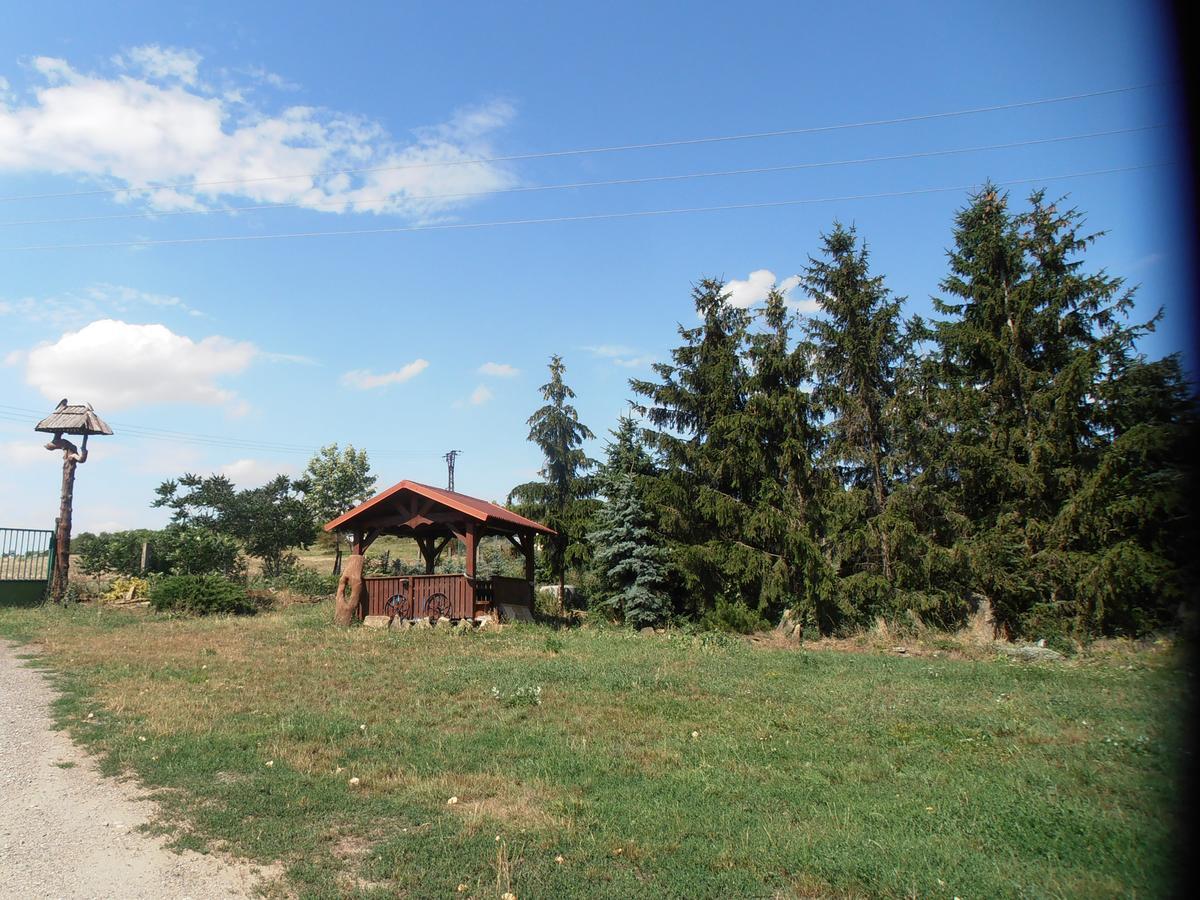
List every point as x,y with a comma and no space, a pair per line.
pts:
70,832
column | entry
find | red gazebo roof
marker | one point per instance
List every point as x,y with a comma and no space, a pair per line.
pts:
490,514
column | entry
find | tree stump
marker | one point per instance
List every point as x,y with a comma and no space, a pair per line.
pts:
351,592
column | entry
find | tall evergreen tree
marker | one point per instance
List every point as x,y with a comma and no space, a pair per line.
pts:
734,437
858,343
563,498
1024,353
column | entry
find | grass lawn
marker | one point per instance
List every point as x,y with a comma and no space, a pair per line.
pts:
651,767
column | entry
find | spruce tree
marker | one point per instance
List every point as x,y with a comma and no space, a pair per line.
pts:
632,565
563,498
858,343
734,437
1025,355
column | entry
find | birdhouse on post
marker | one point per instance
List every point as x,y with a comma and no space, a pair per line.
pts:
77,419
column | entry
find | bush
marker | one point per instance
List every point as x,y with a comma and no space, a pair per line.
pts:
301,581
118,552
200,595
735,616
195,550
309,583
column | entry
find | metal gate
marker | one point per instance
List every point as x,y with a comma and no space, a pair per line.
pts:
26,564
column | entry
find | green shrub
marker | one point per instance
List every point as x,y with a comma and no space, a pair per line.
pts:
735,616
301,581
310,583
196,550
117,552
200,595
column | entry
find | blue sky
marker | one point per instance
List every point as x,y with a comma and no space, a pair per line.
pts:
156,119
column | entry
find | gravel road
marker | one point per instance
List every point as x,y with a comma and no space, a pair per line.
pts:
70,832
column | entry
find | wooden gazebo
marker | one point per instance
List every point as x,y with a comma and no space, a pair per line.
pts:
433,517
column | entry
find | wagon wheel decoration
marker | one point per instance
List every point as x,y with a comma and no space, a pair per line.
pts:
396,606
438,606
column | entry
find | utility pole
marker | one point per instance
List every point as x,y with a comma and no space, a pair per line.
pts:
449,458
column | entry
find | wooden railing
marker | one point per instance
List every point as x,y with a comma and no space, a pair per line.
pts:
467,598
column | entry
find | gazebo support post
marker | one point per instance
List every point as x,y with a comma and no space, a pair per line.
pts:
431,548
472,543
527,549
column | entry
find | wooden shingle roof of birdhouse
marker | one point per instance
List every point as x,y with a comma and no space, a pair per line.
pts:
76,418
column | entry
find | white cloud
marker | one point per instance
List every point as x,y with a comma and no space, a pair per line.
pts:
499,370
481,395
115,365
163,63
364,380
163,126
29,453
252,473
754,289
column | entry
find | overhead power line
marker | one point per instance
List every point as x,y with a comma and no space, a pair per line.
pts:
653,179
620,148
588,217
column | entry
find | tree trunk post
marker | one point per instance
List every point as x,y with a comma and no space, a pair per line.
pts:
62,540
351,593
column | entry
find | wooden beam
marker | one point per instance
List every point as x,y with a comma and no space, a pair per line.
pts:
472,547
364,539
527,541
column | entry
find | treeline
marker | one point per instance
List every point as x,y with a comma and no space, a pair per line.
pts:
1018,449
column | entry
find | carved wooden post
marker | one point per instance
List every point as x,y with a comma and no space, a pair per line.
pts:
72,457
67,419
351,590
62,540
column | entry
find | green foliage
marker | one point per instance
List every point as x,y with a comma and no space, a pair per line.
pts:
299,580
181,549
563,498
1060,498
196,550
631,565
733,616
335,481
200,595
858,346
267,521
111,553
736,437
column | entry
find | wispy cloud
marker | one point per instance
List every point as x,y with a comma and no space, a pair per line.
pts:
96,301
499,370
620,355
364,380
481,395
